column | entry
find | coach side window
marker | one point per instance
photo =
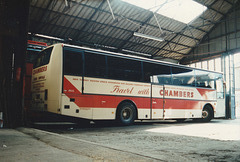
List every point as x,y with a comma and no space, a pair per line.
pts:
95,65
183,76
161,73
72,63
124,69
43,57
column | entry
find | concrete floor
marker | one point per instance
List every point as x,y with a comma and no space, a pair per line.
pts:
218,140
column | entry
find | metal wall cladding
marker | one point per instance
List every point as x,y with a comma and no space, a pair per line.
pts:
92,22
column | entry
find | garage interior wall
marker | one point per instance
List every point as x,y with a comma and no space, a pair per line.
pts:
217,52
223,38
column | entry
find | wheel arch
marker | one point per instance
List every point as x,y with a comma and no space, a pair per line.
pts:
127,101
208,105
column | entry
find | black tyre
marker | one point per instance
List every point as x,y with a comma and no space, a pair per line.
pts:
180,120
207,114
126,113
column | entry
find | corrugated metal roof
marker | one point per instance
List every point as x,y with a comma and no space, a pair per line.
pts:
91,23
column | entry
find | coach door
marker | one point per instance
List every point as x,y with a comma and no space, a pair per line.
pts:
221,99
157,101
160,75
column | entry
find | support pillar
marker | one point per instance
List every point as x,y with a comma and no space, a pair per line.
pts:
13,45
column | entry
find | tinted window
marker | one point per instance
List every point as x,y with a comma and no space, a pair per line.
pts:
161,73
95,65
181,76
206,79
73,63
124,69
43,57
32,56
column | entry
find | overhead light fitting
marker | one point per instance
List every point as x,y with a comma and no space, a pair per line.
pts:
148,36
48,37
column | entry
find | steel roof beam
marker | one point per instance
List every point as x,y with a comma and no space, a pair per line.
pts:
131,35
182,31
116,27
74,17
224,17
147,46
99,9
95,12
44,13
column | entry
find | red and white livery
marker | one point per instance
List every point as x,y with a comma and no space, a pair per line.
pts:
99,85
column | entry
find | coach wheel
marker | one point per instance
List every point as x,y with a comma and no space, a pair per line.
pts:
126,113
207,114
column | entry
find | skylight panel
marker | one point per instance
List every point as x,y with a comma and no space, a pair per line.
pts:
181,10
